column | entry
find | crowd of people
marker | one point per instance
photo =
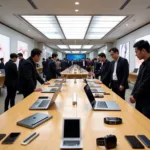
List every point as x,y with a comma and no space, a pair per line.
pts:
113,74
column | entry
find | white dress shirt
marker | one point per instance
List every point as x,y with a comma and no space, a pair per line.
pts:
83,63
115,69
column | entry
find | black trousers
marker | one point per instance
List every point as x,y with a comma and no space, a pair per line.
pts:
115,87
145,110
10,98
27,93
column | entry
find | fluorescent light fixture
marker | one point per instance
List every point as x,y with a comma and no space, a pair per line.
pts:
83,51
74,27
67,51
87,46
76,10
74,52
63,46
75,46
47,25
77,3
101,25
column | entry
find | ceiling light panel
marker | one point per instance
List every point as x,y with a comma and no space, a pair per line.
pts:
83,51
74,27
101,25
74,52
47,25
67,51
87,46
75,46
63,46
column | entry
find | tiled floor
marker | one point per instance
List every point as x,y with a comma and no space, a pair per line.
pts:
20,97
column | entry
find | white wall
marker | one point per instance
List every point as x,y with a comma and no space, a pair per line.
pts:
105,49
132,38
93,54
15,37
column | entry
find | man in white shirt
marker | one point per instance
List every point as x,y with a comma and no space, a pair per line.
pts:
117,76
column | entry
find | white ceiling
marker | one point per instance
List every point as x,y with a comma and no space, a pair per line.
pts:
11,9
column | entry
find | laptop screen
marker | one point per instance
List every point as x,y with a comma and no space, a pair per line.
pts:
72,128
89,94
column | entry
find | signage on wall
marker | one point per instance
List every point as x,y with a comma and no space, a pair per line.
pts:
23,48
4,47
124,51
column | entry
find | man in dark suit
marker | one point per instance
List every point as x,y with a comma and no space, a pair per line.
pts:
64,64
118,73
103,67
44,65
141,91
2,66
28,74
83,64
21,60
52,71
11,78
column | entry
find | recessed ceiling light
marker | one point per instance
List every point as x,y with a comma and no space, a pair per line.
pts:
28,30
76,10
127,25
77,3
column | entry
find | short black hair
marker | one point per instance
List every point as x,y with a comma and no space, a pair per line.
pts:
20,54
36,52
43,58
114,49
142,45
102,55
13,55
1,59
49,57
54,55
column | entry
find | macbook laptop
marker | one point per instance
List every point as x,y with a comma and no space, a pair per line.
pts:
98,90
44,102
71,134
135,70
34,120
49,90
2,71
100,105
59,81
55,85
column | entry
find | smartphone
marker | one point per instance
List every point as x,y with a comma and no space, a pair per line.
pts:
2,136
10,139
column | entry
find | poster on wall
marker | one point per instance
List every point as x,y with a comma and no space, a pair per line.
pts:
124,51
4,47
23,48
47,52
137,61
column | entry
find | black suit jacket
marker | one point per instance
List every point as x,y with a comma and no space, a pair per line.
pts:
52,71
2,66
141,91
28,76
64,65
11,74
122,73
104,69
21,63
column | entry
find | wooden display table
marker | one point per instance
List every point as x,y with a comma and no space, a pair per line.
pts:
39,70
132,77
2,78
74,73
92,124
